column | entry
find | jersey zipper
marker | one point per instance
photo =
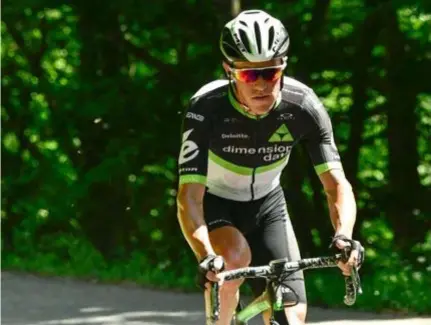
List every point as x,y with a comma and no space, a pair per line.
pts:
253,173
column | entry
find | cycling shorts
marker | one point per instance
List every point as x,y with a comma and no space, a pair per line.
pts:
266,225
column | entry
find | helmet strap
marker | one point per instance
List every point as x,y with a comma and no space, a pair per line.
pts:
232,85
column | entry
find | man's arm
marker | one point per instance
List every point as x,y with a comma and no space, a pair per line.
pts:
324,154
192,169
327,163
191,218
341,201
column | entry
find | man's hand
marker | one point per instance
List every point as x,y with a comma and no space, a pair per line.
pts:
208,268
354,250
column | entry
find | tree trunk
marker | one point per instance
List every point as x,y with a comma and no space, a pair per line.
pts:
104,218
368,34
402,140
317,216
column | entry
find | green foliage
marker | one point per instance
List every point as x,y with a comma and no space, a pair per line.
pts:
91,113
67,255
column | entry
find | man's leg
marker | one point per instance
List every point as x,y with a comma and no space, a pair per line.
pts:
275,239
277,231
228,242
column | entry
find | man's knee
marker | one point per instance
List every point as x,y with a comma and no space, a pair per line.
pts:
231,244
296,314
235,259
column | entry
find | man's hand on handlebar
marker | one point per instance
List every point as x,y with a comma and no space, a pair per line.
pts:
353,250
209,266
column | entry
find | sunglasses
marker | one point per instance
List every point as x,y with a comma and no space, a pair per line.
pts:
249,75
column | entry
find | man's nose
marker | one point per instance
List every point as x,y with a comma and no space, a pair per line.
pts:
260,84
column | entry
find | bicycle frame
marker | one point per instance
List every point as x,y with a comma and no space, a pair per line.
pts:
273,271
257,306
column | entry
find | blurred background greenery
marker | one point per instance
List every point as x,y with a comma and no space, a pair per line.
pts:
93,94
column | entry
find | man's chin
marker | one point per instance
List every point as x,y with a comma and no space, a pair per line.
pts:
261,105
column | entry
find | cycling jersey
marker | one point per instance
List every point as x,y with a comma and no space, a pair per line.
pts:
240,156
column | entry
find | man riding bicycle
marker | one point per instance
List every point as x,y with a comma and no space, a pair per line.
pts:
236,140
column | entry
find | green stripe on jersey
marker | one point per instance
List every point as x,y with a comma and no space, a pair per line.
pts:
229,166
327,166
193,179
271,166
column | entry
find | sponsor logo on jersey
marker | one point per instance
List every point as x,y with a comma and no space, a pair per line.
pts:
230,120
270,153
195,116
189,149
282,134
285,117
234,136
188,170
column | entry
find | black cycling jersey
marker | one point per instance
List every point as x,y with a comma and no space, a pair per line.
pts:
240,156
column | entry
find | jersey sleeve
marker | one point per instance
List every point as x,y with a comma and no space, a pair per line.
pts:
193,157
320,138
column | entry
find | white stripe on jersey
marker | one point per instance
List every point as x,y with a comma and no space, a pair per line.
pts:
210,86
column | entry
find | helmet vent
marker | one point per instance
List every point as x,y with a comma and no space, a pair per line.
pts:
258,37
244,40
243,23
252,12
271,36
279,47
266,20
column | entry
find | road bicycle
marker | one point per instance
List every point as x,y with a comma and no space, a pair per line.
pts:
275,273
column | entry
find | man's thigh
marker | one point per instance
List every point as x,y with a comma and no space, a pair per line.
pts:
217,212
226,239
274,241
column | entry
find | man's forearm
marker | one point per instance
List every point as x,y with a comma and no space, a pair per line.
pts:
194,228
342,208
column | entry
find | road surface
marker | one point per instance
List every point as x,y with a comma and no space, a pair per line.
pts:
31,300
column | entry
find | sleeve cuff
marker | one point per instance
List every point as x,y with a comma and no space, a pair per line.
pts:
193,179
327,166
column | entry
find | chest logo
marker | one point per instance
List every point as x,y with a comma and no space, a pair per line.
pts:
282,134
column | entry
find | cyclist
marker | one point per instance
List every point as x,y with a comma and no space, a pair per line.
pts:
236,140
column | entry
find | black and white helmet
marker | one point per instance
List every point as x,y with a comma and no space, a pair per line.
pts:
254,36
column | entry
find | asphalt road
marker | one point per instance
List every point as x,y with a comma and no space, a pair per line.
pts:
32,300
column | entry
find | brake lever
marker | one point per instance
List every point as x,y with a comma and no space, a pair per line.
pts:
356,279
354,271
353,281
